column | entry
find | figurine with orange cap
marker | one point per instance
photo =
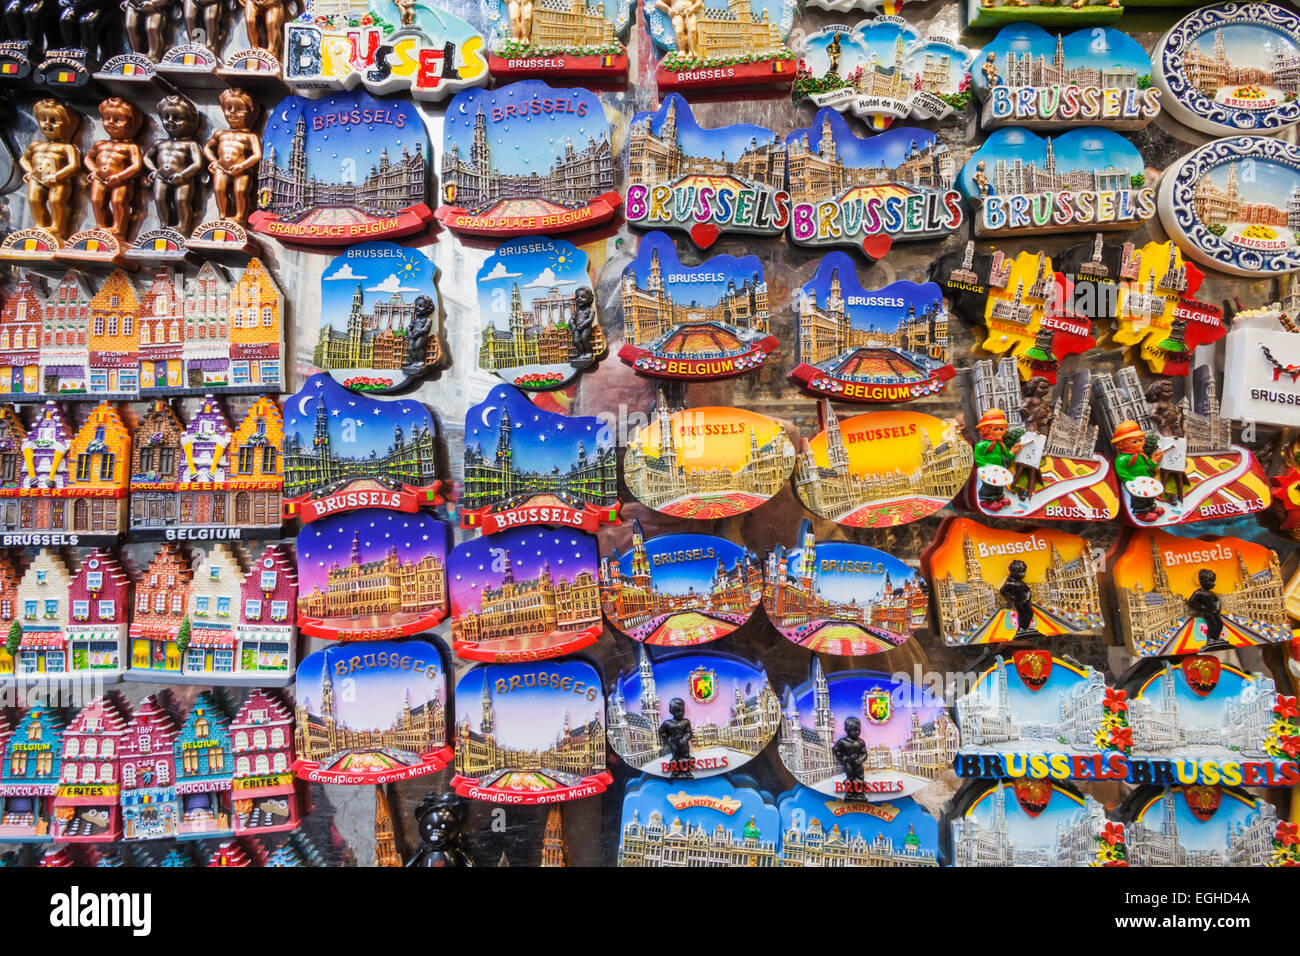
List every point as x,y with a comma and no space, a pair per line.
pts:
1137,470
993,459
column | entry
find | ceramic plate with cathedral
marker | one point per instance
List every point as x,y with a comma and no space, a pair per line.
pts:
817,831
1087,179
716,821
537,309
574,39
1028,822
868,193
372,574
342,168
679,590
870,345
526,159
842,598
525,594
380,318
1232,68
707,463
1176,595
1234,205
881,469
528,466
372,713
1093,77
689,716
864,736
720,43
696,323
1204,826
530,733
344,451
704,181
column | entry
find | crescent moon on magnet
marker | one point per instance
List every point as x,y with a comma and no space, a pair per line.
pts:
486,411
302,405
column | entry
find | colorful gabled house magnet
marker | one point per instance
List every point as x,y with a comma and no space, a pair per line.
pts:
263,794
29,775
86,808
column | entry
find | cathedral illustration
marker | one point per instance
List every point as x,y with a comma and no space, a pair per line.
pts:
812,845
680,844
1016,177
662,159
1027,69
538,606
649,312
387,585
319,733
1224,205
1120,397
542,334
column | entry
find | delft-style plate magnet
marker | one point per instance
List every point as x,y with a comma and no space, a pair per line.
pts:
372,713
380,318
707,463
525,159
1189,595
526,594
864,736
690,715
877,345
1022,184
344,451
882,70
695,323
527,466
680,176
720,44
992,585
578,39
1234,205
867,193
1028,822
1261,369
1204,826
1035,455
841,598
816,831
1232,68
530,733
881,469
372,575
539,328
716,821
1175,461
1095,77
341,169
679,590
387,46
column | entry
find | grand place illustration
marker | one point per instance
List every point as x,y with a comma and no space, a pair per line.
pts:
659,157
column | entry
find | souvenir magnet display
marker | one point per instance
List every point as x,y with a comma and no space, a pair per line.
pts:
720,43
718,821
881,469
344,452
29,777
1234,222
1204,826
51,169
864,736
986,14
707,463
371,713
388,46
526,159
1261,367
816,831
263,794
991,585
524,465
1021,184
1095,77
527,594
300,195
691,715
90,813
115,169
837,597
1192,595
679,590
679,175
372,575
578,39
1232,68
695,323
877,345
1029,822
530,733
538,312
865,193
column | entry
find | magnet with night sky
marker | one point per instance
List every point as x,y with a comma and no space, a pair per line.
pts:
371,575
842,598
864,736
714,821
690,715
344,451
679,590
372,713
526,159
530,733
720,43
528,466
342,168
817,830
1203,826
525,594
1028,822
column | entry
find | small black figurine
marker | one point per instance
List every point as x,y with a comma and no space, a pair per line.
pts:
84,25
584,328
28,20
1016,593
440,818
1205,604
850,752
675,733
417,334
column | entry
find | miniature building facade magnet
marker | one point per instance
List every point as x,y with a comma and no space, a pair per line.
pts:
29,775
85,808
713,822
720,44
149,806
1204,826
263,795
1028,823
820,832
202,758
